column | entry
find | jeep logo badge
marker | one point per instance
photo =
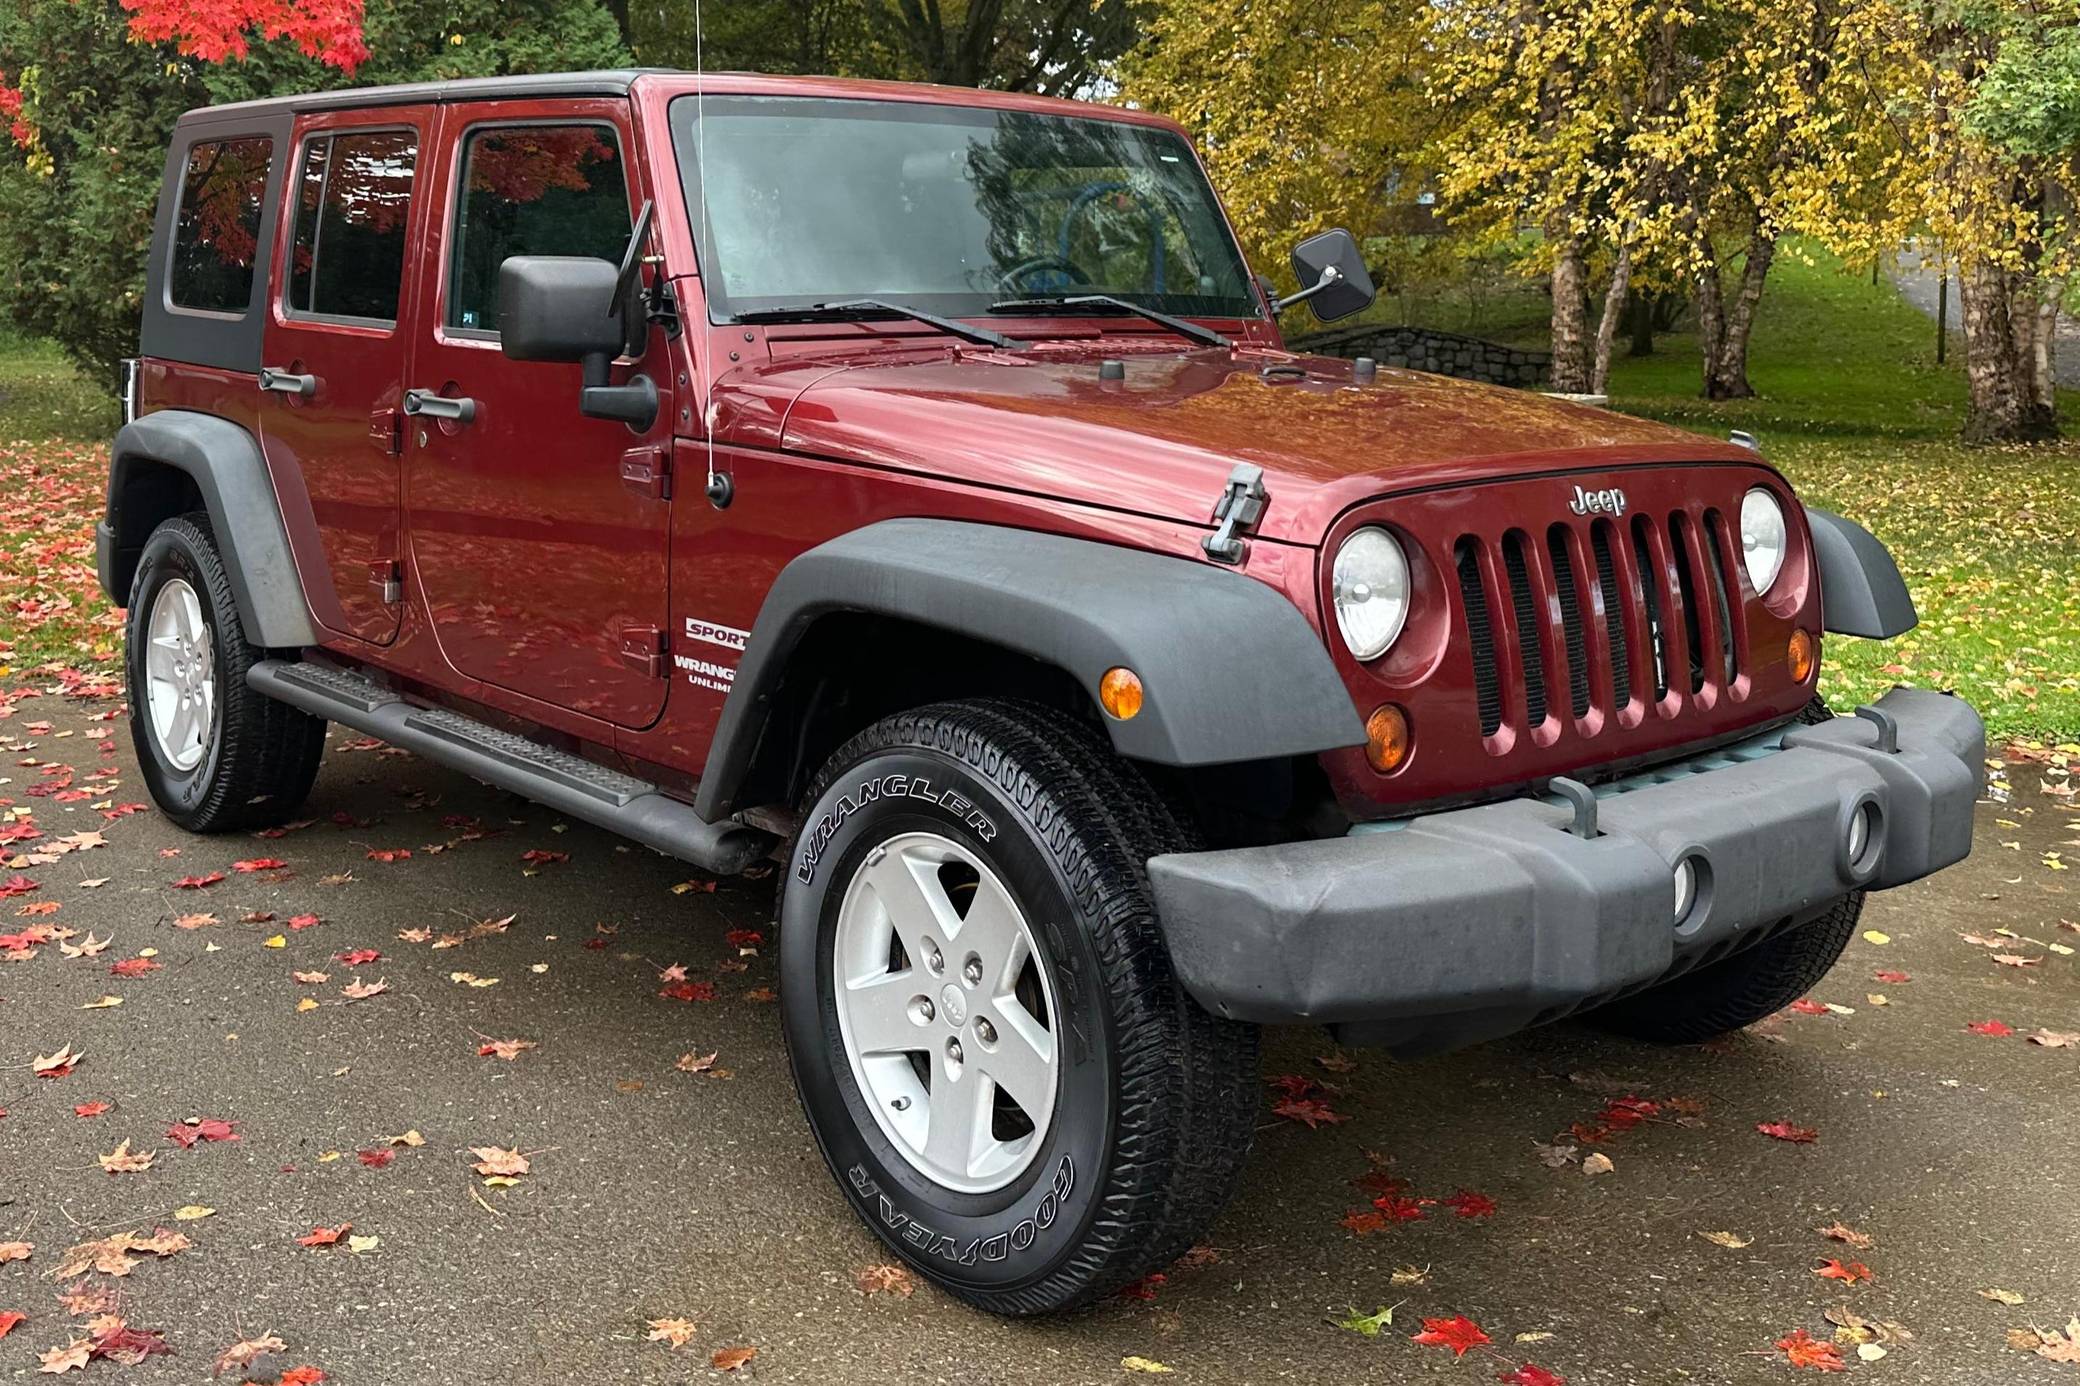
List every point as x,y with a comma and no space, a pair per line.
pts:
1610,502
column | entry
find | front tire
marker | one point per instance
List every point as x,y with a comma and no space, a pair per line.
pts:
215,755
985,1033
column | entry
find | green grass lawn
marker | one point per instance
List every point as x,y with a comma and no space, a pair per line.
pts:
1852,407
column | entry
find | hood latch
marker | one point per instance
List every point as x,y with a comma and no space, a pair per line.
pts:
1236,513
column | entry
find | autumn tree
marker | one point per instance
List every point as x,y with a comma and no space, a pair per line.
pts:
1309,113
92,88
1057,47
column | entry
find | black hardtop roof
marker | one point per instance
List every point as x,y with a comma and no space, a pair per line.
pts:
615,82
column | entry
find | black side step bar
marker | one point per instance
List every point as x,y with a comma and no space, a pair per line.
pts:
570,784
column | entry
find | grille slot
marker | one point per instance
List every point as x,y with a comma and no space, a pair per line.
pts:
1686,585
1480,635
1613,611
1650,594
1726,588
1570,618
1526,611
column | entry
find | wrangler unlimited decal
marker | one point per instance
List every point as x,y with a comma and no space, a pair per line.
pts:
815,839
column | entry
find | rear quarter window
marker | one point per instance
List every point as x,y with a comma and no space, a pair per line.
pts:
216,234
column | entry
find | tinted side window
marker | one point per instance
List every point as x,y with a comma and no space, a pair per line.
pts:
532,190
216,235
351,216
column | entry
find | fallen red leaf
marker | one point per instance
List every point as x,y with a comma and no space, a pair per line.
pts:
1360,1223
1891,978
539,856
1529,1375
1468,1204
9,1318
198,882
304,921
1458,1333
92,1109
1804,1351
1832,1269
1401,1208
1807,1006
259,864
133,967
359,957
187,1134
1785,1131
1990,1027
301,1376
388,853
1311,1112
1145,1288
325,1236
689,991
376,1159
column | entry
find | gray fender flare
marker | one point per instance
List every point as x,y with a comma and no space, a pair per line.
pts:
1861,591
1233,671
226,465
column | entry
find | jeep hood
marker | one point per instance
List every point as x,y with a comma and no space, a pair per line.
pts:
1162,441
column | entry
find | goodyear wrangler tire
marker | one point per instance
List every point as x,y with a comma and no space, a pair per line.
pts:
215,755
985,1033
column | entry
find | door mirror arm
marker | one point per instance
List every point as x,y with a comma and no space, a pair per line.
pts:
634,404
575,308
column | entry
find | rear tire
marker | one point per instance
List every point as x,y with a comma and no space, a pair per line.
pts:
215,755
1746,987
920,837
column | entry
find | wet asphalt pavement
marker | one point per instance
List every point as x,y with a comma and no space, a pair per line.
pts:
660,1194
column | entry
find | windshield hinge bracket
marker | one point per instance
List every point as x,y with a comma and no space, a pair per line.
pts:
1237,512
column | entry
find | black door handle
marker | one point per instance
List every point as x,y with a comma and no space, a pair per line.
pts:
427,404
288,382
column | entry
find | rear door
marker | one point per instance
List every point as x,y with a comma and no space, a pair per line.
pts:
543,570
333,358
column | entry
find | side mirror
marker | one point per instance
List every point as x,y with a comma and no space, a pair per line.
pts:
567,308
1333,279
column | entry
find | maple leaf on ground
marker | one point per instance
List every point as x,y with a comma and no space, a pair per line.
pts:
1832,1269
60,1360
198,882
301,1376
2055,1039
699,1063
378,1158
56,1065
1805,1005
1530,1375
887,1278
1366,1325
1839,1232
120,1343
730,1359
1803,1351
677,1332
1458,1333
122,1160
1310,1112
1402,1208
744,938
387,854
1360,1223
92,1109
15,1251
1468,1204
192,922
134,967
492,1161
187,1134
1995,1028
359,957
505,1049
324,1236
258,864
538,856
358,990
1892,978
9,1318
244,1353
111,1256
311,979
1785,1131
689,991
299,922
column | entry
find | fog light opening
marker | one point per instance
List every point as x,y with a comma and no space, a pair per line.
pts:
1120,693
1386,738
1861,839
1801,656
1693,879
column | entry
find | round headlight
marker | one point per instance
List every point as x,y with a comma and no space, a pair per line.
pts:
1762,537
1370,584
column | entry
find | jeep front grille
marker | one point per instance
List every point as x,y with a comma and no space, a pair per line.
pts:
1602,614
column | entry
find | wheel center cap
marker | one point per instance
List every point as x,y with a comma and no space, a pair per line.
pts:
952,1004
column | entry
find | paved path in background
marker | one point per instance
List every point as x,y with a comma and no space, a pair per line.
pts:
656,1193
1919,281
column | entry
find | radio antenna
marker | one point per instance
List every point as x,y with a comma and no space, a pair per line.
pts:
719,488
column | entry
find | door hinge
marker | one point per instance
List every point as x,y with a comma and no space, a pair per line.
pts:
386,431
1236,513
648,472
387,578
643,649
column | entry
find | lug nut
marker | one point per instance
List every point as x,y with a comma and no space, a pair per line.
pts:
985,1031
934,961
922,1010
972,970
953,1050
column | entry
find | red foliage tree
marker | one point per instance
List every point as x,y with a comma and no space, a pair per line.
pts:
218,30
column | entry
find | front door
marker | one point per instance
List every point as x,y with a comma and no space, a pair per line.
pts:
542,570
334,360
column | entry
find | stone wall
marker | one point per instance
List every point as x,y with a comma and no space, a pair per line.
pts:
1442,353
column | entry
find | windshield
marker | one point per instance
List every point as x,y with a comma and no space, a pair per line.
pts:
948,208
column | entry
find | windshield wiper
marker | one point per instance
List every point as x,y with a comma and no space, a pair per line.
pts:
880,308
1058,302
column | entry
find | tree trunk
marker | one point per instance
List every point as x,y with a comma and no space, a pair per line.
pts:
1607,324
1726,369
2008,398
1571,346
1639,321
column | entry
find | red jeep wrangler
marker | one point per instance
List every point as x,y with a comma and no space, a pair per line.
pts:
912,483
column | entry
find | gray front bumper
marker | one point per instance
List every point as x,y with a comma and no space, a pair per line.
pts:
1467,924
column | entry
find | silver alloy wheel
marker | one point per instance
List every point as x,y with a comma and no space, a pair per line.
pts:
180,673
943,1007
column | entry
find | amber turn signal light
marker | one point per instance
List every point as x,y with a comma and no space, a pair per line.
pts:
1801,655
1386,738
1119,693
